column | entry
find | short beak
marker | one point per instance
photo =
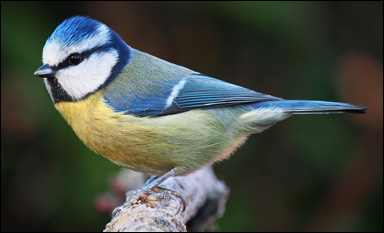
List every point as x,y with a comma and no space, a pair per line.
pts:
45,71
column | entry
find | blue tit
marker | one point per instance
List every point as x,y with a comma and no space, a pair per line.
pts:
149,115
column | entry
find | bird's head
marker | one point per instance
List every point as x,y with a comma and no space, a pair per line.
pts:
80,57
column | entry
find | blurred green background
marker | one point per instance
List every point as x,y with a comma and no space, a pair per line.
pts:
308,173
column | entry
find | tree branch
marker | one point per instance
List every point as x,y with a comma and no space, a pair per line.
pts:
205,197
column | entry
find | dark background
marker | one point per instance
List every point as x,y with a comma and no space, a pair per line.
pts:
308,173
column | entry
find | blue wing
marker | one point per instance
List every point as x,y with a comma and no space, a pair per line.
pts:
190,92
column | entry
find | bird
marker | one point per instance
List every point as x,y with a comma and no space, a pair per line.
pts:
149,115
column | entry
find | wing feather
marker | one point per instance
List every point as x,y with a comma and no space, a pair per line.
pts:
198,91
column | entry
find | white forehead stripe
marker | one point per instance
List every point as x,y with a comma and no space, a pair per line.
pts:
85,78
54,52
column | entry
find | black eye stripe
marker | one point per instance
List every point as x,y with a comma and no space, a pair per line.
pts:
84,55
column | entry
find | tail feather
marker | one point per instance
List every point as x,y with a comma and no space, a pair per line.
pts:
312,106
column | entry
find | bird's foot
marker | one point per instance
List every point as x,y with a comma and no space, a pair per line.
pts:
133,197
159,193
145,196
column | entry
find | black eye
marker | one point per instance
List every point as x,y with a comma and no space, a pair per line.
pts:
75,59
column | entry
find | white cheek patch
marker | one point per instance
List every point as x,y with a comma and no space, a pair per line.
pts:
86,77
54,52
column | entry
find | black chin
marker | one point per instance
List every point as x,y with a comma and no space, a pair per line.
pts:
57,91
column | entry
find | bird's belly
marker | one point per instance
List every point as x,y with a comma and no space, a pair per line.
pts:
149,145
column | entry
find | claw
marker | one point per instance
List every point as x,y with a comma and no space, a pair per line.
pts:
116,211
151,192
160,193
133,197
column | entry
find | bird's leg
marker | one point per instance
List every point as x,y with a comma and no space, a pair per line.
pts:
151,186
152,178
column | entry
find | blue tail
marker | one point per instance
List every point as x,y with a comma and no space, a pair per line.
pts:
311,106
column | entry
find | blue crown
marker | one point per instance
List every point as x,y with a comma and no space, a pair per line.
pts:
77,29
74,30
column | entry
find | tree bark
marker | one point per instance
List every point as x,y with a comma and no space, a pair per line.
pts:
204,195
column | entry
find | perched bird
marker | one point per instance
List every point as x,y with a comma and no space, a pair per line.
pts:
149,115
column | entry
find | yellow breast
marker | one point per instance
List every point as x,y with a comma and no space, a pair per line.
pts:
124,139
